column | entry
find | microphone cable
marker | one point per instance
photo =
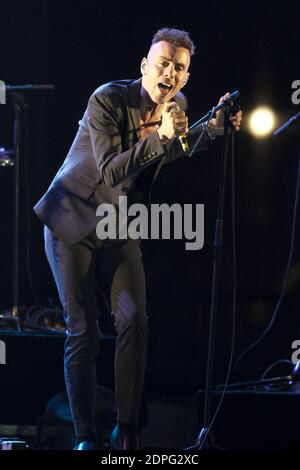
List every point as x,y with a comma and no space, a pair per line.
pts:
284,284
202,133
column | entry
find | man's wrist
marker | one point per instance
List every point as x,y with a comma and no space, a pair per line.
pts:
212,130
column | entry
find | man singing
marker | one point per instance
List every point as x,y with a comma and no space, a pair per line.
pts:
130,129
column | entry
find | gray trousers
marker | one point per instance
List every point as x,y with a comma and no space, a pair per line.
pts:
117,267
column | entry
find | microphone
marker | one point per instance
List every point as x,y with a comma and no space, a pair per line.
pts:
182,137
228,101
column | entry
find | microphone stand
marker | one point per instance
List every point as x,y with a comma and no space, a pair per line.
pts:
218,244
286,124
19,105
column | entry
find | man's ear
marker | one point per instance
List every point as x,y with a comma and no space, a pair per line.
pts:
143,65
186,79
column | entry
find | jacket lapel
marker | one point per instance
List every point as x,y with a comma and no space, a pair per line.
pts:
134,107
135,115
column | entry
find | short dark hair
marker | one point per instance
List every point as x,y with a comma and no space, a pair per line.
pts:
177,37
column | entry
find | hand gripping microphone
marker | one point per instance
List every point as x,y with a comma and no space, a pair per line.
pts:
182,137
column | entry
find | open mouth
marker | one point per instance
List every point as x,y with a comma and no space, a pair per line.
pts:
165,87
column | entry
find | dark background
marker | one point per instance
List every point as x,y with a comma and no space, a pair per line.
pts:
253,48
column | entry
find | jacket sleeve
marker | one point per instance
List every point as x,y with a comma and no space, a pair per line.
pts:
105,122
197,136
115,165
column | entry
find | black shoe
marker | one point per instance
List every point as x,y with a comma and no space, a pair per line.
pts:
86,445
120,441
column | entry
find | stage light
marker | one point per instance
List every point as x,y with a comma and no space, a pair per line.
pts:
262,122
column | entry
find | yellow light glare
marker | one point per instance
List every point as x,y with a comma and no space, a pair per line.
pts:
261,122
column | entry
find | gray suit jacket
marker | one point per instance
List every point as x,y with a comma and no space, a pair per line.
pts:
107,157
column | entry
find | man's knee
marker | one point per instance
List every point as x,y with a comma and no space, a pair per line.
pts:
82,347
136,319
80,315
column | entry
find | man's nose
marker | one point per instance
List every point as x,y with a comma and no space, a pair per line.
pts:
168,72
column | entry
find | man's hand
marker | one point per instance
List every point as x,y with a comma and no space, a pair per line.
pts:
218,121
174,123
